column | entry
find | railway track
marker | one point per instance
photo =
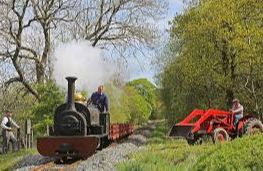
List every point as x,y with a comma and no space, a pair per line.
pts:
68,166
105,159
53,166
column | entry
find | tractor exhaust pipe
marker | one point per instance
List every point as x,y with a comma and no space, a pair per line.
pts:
71,91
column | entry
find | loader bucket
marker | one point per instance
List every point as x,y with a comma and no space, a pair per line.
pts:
180,131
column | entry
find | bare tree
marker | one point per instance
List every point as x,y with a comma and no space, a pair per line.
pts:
119,24
29,30
25,34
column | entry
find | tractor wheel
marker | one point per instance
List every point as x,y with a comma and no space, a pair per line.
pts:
203,139
253,126
220,135
196,141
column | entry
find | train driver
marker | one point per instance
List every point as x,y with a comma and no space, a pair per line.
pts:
100,100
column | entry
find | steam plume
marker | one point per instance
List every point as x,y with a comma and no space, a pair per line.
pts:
80,59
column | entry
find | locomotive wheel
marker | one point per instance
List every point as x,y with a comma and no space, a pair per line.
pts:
102,143
220,135
253,126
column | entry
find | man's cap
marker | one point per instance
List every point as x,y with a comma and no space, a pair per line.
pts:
8,111
235,100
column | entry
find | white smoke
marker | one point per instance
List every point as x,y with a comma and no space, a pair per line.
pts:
80,59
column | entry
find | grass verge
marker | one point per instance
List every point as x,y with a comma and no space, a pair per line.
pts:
166,154
8,161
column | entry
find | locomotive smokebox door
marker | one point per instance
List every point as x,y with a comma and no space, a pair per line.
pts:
68,121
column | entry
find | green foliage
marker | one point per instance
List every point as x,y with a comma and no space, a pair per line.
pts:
16,100
134,102
162,153
119,108
214,54
42,112
140,109
148,91
241,154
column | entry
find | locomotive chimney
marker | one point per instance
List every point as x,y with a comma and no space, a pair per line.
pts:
71,91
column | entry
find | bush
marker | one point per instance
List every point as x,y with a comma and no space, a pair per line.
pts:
119,109
140,109
42,113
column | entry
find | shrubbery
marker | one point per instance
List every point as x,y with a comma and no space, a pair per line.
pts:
135,102
50,97
119,108
140,110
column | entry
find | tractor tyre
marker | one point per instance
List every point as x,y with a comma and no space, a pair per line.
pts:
253,126
220,135
200,140
196,141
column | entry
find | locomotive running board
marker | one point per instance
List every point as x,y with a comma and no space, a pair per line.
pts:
180,131
67,146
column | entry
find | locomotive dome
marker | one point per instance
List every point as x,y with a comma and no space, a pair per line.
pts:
79,97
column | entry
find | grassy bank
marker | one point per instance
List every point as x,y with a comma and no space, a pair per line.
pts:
7,161
166,154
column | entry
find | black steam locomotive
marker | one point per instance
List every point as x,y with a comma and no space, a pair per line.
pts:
78,129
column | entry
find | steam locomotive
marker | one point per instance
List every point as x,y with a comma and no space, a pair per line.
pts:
79,130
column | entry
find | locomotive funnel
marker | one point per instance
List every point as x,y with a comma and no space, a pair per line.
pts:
71,91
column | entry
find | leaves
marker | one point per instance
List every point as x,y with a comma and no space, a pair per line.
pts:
215,52
42,112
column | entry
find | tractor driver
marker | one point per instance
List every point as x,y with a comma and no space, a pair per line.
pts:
237,110
100,100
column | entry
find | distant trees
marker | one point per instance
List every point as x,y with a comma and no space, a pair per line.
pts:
148,91
214,54
135,102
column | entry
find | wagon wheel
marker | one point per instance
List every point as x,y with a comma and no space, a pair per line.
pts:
220,135
253,126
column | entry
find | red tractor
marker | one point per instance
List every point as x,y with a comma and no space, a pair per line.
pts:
214,123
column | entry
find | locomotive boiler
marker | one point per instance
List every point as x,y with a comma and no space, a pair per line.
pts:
78,129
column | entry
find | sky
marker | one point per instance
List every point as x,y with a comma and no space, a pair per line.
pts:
145,69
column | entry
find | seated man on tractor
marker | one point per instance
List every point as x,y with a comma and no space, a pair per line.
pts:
237,110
